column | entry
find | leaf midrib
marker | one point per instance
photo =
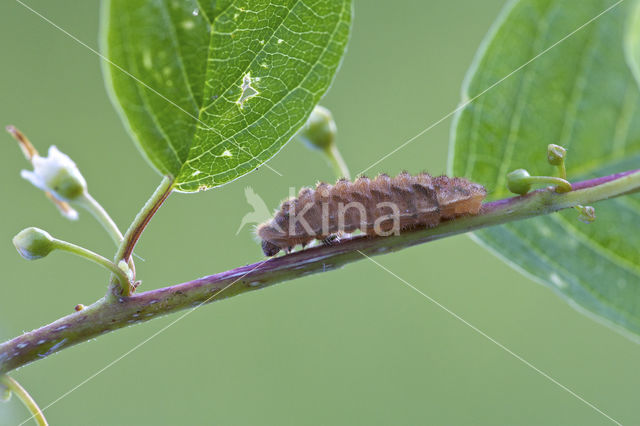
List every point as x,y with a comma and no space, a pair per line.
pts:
274,104
174,40
142,93
244,71
525,81
577,91
202,109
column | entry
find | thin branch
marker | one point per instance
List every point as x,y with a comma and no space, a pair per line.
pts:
109,225
339,165
101,215
105,316
93,257
27,400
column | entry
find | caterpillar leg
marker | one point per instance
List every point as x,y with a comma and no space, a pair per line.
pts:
328,241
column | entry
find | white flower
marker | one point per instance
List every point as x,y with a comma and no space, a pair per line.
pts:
57,174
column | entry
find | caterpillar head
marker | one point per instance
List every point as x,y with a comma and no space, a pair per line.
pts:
269,249
269,233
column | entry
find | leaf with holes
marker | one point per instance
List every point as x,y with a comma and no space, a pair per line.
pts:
580,94
212,90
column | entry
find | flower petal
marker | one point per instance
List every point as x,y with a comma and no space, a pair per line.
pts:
63,207
34,178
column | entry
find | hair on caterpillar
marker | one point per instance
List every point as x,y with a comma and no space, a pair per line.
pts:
381,206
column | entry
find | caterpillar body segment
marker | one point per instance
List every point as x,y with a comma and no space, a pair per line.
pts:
380,206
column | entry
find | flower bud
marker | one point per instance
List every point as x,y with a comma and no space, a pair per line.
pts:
124,267
556,154
320,130
58,174
518,181
587,214
34,243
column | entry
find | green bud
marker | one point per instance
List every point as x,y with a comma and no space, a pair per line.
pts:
587,214
320,130
34,243
66,185
124,267
518,181
556,154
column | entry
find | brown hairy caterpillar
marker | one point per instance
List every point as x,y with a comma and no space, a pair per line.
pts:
380,206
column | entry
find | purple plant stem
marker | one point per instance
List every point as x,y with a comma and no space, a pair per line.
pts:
103,317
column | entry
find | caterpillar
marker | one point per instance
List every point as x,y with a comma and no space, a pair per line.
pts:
380,206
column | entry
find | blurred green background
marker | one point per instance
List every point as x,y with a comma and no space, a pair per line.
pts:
354,346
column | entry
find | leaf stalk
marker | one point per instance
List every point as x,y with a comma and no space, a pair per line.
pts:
135,230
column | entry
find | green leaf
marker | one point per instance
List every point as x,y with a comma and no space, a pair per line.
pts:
581,95
213,89
632,41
